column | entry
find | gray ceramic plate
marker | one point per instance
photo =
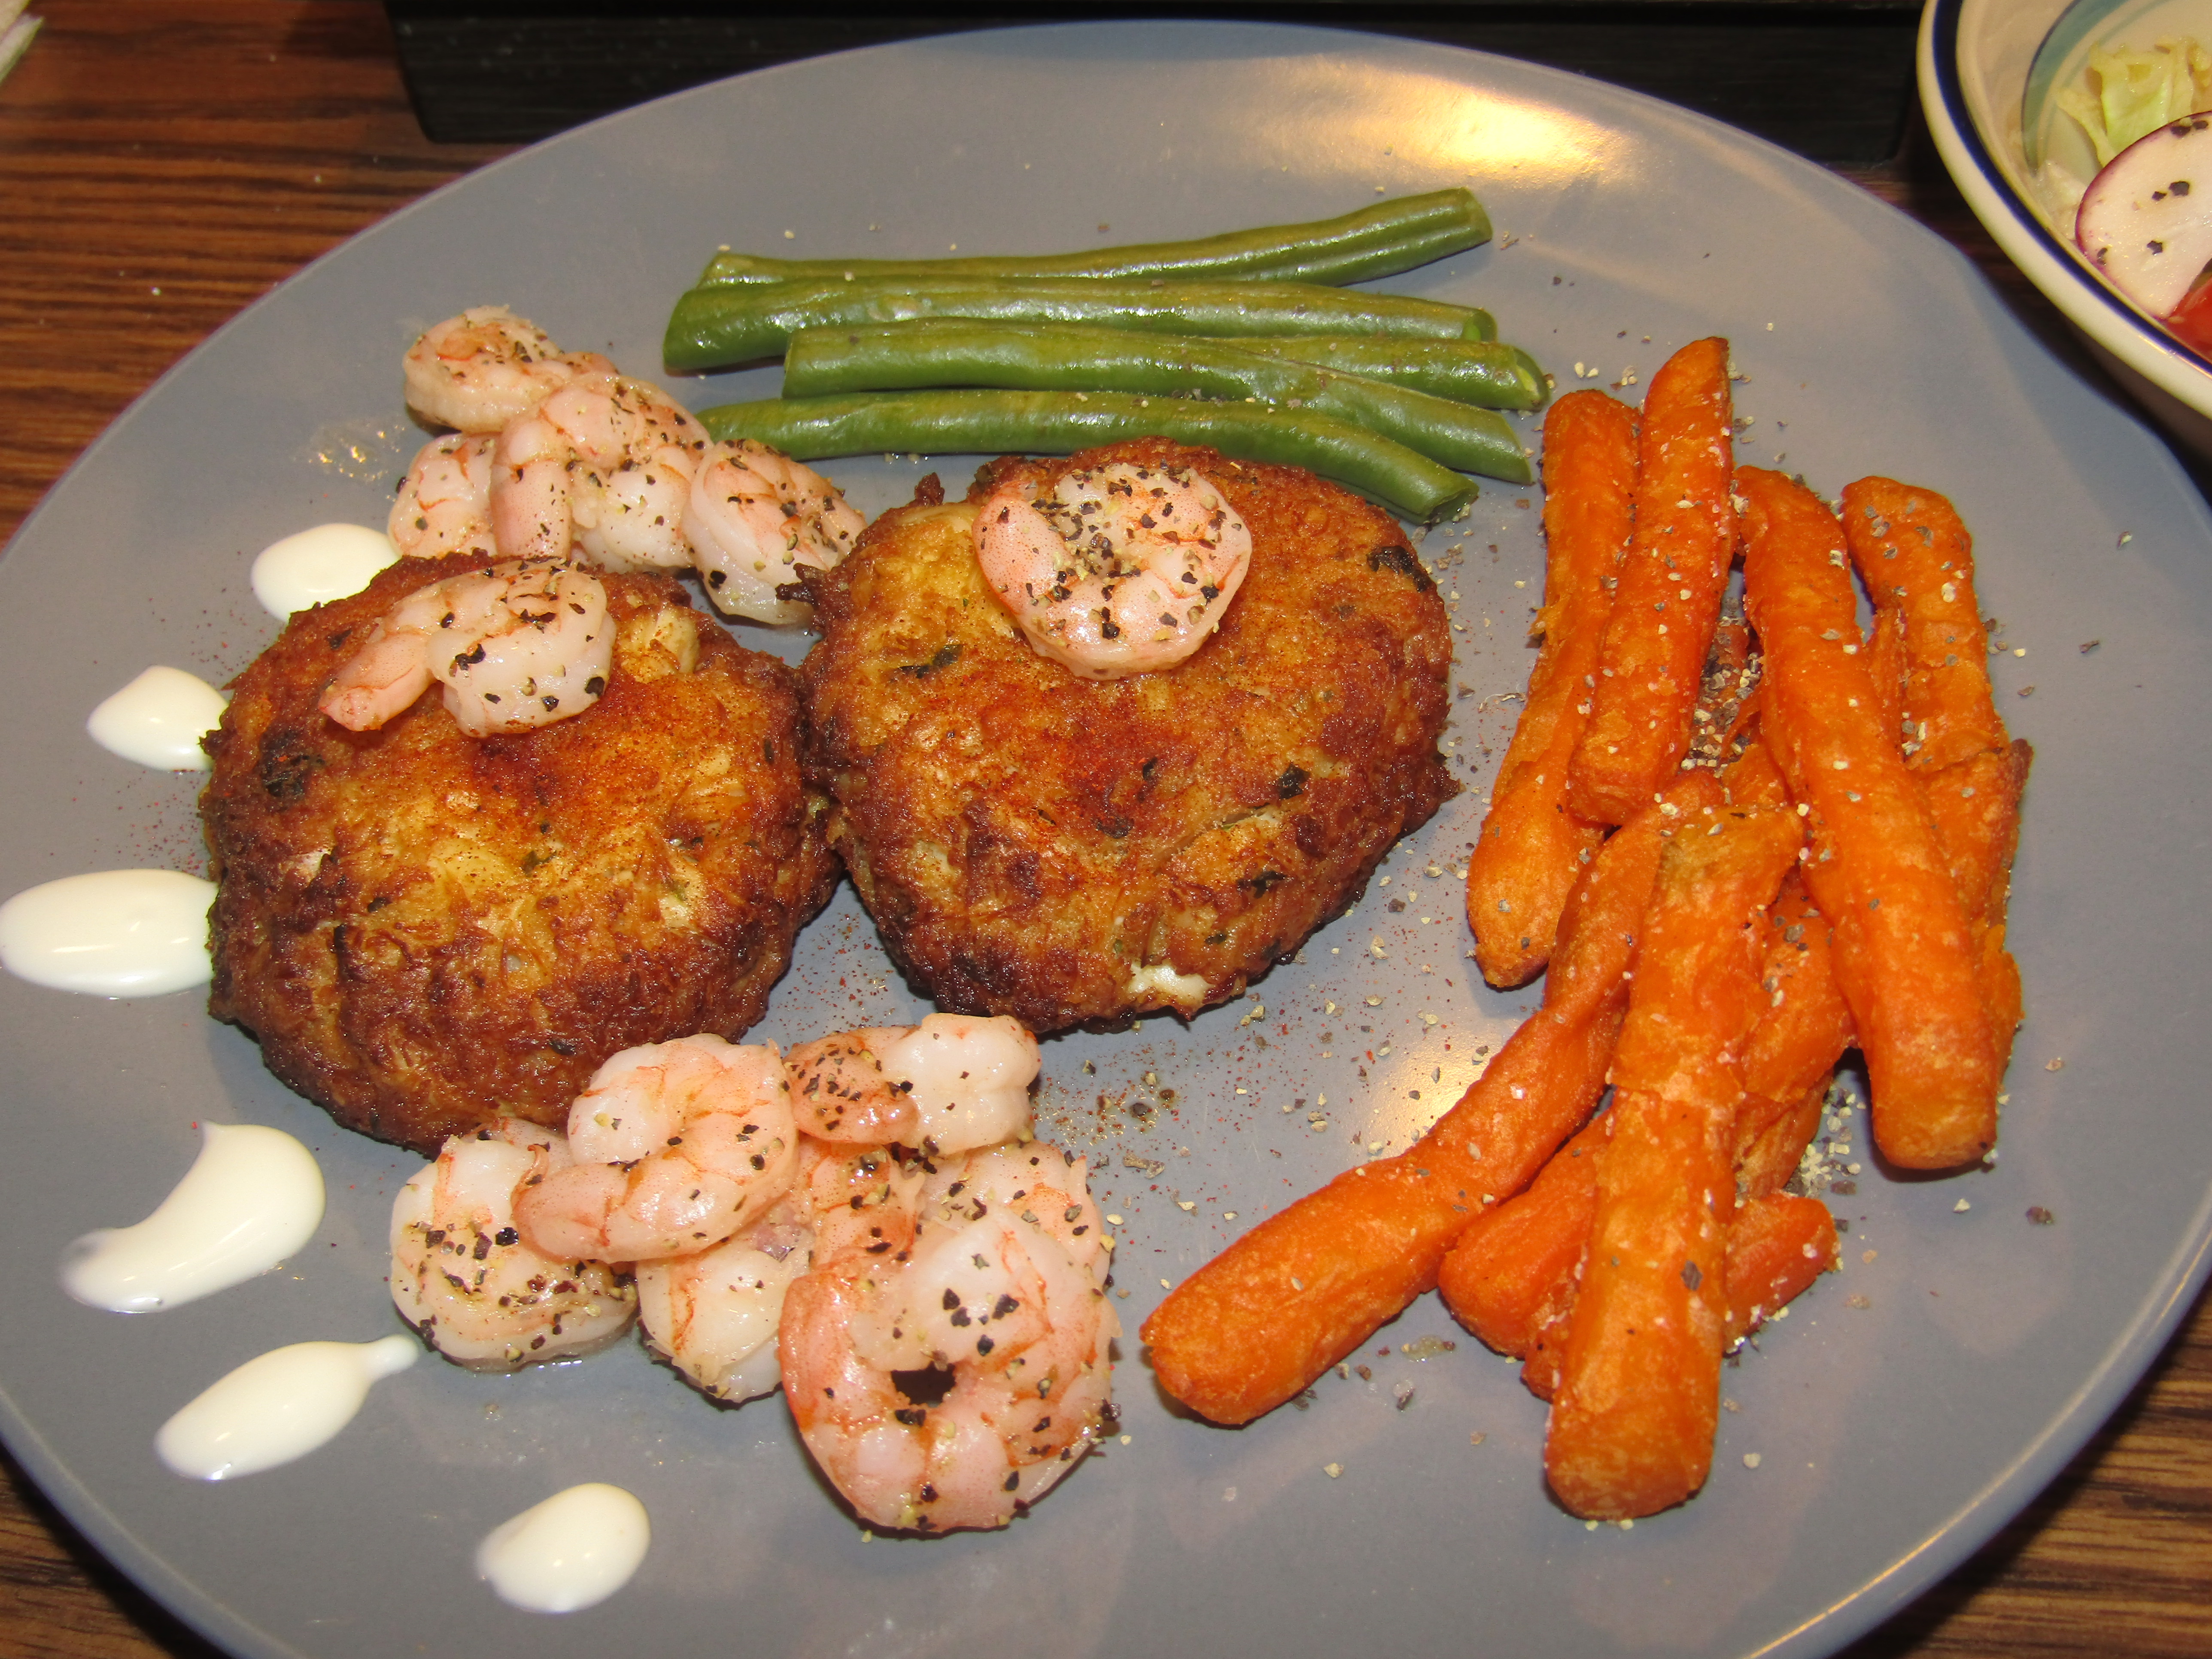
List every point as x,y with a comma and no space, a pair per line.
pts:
1892,1436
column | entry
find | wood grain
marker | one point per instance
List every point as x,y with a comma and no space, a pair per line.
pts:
163,163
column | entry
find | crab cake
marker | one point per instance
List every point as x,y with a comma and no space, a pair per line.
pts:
427,930
1075,851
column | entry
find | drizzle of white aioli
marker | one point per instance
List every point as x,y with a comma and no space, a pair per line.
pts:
573,1551
279,1407
110,933
158,720
316,566
252,1197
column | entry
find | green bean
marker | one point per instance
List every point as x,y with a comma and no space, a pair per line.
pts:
715,327
1379,241
1071,357
1485,372
1059,423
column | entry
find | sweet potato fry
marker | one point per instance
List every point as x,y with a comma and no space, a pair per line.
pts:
1532,848
1668,597
1974,807
1686,1026
1632,1425
1918,563
1298,1292
1792,1051
1510,1278
1497,1278
1917,559
1490,1280
1753,779
1769,1266
1886,661
1777,1245
2001,995
1770,1138
1554,1318
1904,955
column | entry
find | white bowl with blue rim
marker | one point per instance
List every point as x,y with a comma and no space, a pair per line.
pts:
1989,74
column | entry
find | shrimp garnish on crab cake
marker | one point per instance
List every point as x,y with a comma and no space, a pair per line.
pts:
1037,841
427,928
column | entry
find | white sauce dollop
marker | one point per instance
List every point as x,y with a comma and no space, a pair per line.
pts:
111,934
573,1551
252,1197
279,1407
317,566
158,720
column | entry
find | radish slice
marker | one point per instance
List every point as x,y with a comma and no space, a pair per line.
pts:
2146,220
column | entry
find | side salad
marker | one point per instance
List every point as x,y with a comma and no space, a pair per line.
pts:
2145,219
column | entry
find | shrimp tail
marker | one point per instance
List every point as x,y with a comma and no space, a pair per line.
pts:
380,681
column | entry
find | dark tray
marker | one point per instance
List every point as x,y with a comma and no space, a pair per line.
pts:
1829,79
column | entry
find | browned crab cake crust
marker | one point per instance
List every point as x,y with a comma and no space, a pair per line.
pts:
1077,852
426,929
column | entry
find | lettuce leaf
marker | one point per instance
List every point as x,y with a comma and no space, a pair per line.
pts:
2125,95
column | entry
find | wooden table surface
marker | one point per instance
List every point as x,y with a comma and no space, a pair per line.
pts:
164,162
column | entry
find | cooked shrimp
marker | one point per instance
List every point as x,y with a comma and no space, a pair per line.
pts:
950,1083
478,371
445,501
754,516
714,1316
839,1092
517,645
462,1276
1038,1182
862,1201
950,1383
1121,569
678,1145
604,467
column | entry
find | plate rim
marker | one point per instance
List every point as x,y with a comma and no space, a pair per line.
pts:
2086,1410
